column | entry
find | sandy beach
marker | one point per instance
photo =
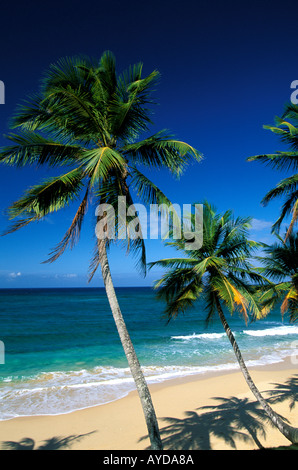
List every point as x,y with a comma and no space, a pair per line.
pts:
229,423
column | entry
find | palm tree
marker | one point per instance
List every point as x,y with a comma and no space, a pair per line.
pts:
281,265
88,118
286,160
221,274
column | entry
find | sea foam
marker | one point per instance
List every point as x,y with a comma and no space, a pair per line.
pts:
277,331
199,336
64,392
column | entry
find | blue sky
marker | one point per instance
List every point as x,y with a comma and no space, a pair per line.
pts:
226,69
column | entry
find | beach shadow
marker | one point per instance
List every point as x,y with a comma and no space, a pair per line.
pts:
230,419
287,391
54,443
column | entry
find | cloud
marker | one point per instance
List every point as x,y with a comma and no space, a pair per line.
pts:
66,276
14,275
259,224
48,220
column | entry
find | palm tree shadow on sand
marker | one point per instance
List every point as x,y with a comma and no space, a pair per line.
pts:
54,443
230,419
287,391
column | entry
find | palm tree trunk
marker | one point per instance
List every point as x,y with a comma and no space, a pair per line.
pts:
288,431
133,362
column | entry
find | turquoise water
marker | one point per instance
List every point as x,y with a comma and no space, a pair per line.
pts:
62,350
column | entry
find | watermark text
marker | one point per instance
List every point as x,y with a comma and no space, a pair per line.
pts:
294,95
2,353
2,92
164,221
294,355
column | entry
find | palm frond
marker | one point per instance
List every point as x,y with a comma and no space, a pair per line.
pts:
288,160
280,264
293,221
173,263
21,223
161,150
128,109
179,295
220,271
279,160
73,233
286,210
100,163
89,118
291,112
49,196
34,149
147,191
284,187
152,196
230,295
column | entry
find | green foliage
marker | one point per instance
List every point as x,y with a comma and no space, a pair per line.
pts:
280,263
284,161
89,118
220,271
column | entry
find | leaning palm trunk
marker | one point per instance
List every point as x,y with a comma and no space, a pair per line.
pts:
130,353
289,432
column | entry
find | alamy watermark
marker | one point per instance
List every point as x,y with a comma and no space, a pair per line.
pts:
2,92
294,95
2,353
162,221
294,355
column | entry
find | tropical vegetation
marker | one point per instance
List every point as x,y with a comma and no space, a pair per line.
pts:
287,129
280,264
222,275
93,124
86,120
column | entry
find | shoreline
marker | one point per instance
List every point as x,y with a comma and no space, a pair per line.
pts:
284,363
120,424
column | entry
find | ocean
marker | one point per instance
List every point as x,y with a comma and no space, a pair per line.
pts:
62,351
